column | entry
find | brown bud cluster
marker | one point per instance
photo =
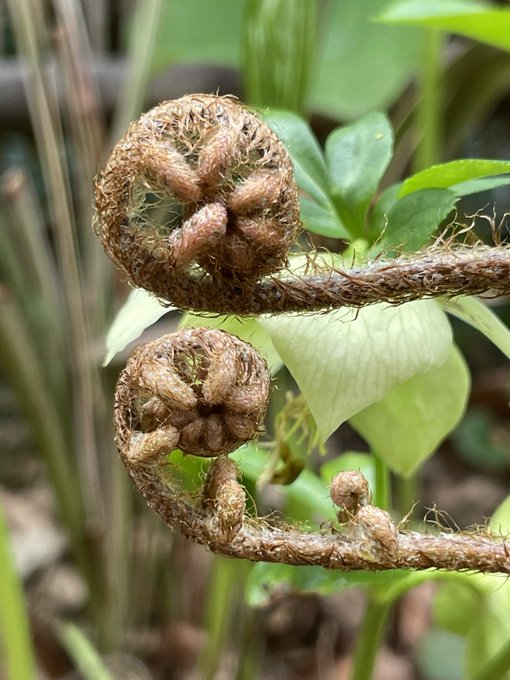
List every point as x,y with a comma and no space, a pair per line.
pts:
201,390
197,182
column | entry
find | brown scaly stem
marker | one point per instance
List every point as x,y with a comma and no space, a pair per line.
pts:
206,392
198,205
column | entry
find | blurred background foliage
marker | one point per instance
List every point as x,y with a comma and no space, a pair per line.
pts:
109,592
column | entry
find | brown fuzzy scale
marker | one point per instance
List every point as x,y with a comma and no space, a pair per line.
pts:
199,184
186,390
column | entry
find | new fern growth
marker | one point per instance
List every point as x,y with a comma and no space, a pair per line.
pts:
198,205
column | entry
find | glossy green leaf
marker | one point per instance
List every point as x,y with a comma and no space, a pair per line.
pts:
475,312
140,311
348,359
481,21
321,220
447,175
476,186
357,156
309,167
362,66
407,425
379,216
412,220
247,329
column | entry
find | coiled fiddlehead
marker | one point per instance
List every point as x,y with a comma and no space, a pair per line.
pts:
198,205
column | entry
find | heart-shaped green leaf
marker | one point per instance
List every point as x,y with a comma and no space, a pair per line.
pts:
407,425
348,359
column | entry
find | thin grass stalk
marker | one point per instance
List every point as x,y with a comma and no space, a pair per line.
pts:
97,16
46,123
23,367
139,57
28,251
14,624
87,133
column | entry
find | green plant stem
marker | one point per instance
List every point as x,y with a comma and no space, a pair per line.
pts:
382,484
406,495
226,580
369,637
429,107
14,624
497,666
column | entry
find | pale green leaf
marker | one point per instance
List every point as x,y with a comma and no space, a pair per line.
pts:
357,156
475,312
348,359
446,175
407,425
139,312
477,20
247,329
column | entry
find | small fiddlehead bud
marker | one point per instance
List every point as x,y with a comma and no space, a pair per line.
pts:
199,181
349,491
201,390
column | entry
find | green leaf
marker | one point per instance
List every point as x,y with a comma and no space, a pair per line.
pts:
362,66
407,425
455,606
309,167
247,329
412,220
379,217
476,313
199,31
481,21
447,175
357,156
321,220
348,359
476,186
140,311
